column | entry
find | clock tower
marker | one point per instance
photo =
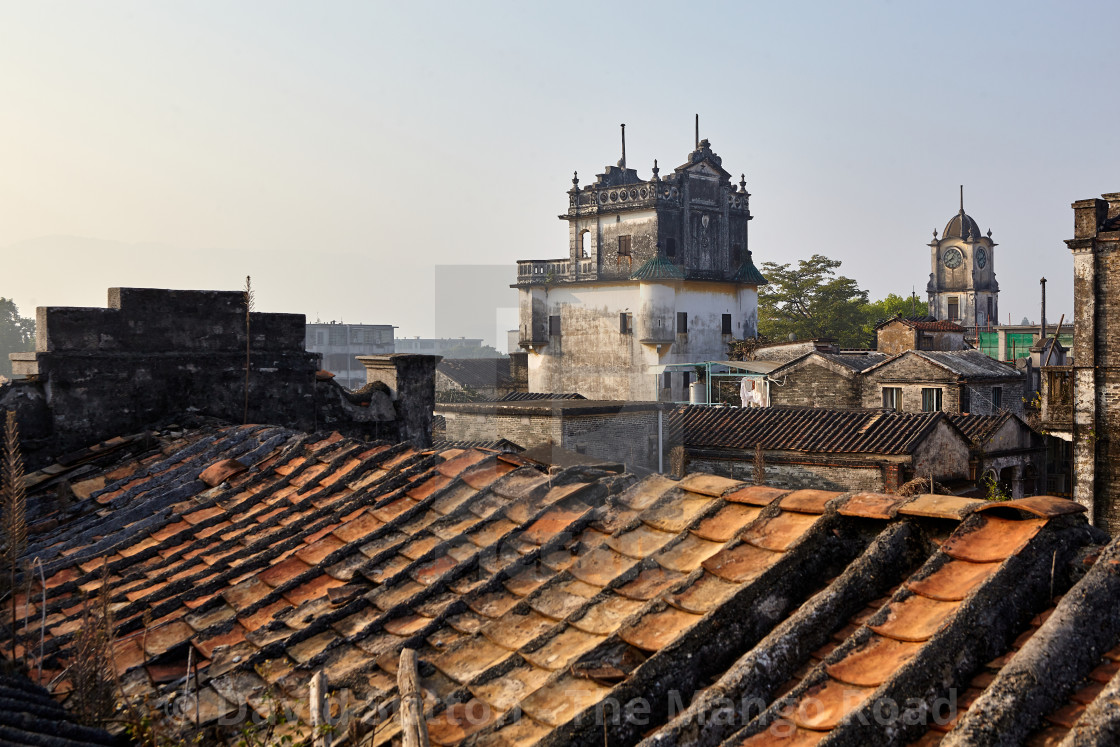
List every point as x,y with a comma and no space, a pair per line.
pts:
962,287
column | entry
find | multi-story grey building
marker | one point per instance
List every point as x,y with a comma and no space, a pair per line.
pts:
340,343
658,271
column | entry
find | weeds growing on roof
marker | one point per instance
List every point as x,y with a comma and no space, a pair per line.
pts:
13,502
91,660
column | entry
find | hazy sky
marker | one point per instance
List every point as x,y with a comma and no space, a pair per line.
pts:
339,152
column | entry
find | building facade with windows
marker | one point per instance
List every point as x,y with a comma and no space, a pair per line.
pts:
955,382
962,284
658,272
339,344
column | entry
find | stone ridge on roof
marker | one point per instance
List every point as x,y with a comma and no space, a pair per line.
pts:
534,600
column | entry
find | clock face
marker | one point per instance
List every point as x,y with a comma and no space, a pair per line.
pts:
981,258
953,257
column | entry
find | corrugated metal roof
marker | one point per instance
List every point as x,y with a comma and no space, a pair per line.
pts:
807,429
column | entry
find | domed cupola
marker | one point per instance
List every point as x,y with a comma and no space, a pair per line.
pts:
961,226
962,285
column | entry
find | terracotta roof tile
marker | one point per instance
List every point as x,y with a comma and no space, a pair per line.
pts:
939,506
710,485
780,532
827,703
727,522
657,630
953,581
687,555
605,617
559,651
706,592
808,501
742,563
915,618
991,539
874,662
674,515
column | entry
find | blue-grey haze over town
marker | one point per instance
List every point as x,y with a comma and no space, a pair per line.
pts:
341,152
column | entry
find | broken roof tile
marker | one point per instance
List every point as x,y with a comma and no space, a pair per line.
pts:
222,470
506,691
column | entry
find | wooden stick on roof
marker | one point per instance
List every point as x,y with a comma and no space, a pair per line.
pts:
414,730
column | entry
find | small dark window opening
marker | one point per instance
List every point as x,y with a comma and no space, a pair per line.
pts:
624,249
682,322
966,400
554,326
997,398
686,379
931,399
670,247
954,309
726,324
625,322
991,310
667,380
736,255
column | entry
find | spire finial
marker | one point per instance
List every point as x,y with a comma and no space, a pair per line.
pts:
622,163
655,170
962,199
575,179
697,146
743,182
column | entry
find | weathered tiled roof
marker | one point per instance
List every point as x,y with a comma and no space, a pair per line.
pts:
658,268
808,429
979,428
924,323
263,555
30,716
966,364
530,396
476,373
748,273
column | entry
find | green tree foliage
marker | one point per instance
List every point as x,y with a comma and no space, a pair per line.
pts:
811,301
17,334
886,308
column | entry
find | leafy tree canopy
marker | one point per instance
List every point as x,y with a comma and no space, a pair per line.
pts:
812,301
17,334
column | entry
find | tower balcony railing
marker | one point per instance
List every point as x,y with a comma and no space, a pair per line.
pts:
547,271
